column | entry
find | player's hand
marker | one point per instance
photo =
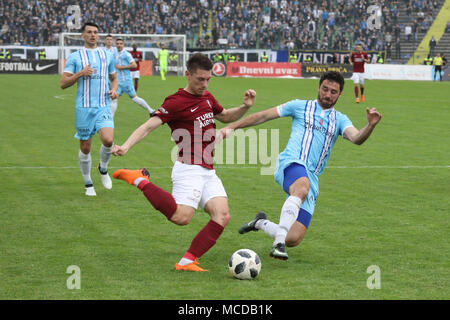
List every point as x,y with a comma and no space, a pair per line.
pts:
223,134
113,94
119,150
373,116
87,71
249,97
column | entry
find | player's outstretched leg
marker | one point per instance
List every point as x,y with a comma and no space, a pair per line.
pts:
251,225
141,102
133,177
160,199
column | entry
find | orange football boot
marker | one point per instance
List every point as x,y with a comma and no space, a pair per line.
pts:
362,98
357,100
131,175
190,267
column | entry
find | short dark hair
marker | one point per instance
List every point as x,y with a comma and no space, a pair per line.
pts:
119,39
333,76
91,24
108,36
199,61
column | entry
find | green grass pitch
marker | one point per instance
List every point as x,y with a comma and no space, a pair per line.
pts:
385,203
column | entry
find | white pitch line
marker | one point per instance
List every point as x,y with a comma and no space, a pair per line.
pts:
62,96
246,167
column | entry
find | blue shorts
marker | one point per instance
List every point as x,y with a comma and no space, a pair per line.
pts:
89,120
126,87
293,172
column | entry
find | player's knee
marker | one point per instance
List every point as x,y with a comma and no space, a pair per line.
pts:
293,241
108,141
182,216
221,217
300,189
85,147
181,220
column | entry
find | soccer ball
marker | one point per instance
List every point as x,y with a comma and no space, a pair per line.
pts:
244,264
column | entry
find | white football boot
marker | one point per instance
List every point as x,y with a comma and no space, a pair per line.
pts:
90,191
106,180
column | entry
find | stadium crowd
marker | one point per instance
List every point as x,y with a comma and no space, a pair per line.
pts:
268,24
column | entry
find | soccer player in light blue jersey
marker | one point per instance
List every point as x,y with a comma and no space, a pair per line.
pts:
93,69
125,62
109,41
316,125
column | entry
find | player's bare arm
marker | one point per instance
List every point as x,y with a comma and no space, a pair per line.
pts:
250,120
359,136
114,84
139,134
233,114
132,65
69,79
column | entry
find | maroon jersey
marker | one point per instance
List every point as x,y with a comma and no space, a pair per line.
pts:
191,119
137,56
358,61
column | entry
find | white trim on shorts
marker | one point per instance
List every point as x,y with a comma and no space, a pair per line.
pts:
194,185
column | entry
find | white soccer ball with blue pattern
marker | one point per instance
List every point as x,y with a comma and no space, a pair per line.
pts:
244,264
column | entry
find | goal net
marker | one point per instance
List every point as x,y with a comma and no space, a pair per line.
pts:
148,44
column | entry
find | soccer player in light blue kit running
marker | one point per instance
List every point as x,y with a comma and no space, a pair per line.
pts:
93,69
316,125
125,62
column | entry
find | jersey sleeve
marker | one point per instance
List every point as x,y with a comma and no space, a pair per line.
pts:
71,64
112,63
168,111
344,123
288,109
128,58
216,107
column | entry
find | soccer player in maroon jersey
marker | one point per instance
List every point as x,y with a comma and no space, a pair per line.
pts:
137,56
357,60
190,113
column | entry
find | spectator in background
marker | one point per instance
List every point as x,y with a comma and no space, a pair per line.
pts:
270,24
432,45
408,31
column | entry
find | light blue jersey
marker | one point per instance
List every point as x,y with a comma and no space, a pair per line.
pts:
92,91
124,58
314,133
113,51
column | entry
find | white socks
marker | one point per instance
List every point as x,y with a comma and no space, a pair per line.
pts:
267,226
85,162
105,155
289,213
143,104
288,216
139,101
85,165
